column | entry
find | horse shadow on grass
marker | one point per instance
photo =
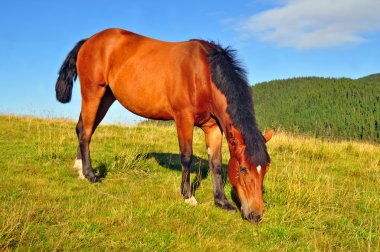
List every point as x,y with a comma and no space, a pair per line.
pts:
171,161
100,172
199,166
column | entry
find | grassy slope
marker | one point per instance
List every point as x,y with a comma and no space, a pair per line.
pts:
319,195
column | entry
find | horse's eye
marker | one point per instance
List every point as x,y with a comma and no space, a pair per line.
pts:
243,170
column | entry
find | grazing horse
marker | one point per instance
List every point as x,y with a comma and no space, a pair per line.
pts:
196,83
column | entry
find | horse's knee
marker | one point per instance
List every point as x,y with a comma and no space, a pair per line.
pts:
216,166
186,158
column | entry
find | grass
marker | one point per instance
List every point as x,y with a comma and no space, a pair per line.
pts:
319,195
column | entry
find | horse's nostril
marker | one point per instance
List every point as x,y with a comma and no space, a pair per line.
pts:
258,218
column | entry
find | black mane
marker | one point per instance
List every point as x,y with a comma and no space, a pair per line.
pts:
231,79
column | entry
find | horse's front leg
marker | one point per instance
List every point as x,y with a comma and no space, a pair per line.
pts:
185,128
213,136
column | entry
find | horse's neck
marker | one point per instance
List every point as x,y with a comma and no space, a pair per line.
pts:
234,138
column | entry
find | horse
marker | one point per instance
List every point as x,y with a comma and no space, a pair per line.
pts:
195,83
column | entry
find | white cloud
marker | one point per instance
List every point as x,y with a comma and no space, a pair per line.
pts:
308,24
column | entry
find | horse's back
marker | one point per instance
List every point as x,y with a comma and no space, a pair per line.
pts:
97,54
147,76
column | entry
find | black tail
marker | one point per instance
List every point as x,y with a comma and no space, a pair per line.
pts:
67,75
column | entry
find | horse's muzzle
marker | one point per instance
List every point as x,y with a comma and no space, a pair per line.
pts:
254,217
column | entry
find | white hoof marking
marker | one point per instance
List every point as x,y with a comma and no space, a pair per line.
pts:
78,166
191,201
80,175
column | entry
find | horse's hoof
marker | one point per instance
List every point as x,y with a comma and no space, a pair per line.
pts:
191,201
92,178
225,205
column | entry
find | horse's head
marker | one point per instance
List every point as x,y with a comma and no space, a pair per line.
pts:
247,181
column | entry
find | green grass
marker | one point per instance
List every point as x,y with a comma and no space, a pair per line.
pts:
319,195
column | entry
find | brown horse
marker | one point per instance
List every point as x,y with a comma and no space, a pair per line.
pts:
196,83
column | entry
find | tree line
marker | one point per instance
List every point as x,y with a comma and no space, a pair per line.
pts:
324,107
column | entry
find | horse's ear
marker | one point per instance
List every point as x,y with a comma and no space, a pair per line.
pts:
268,135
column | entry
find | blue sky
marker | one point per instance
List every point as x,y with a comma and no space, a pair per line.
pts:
275,39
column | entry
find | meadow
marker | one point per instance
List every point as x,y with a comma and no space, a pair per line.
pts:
319,195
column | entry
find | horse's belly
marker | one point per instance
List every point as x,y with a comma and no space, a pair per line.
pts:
143,102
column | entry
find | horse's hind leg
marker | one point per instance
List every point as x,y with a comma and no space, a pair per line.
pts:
95,104
213,135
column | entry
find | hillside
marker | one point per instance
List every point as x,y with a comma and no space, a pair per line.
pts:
371,78
319,196
322,107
